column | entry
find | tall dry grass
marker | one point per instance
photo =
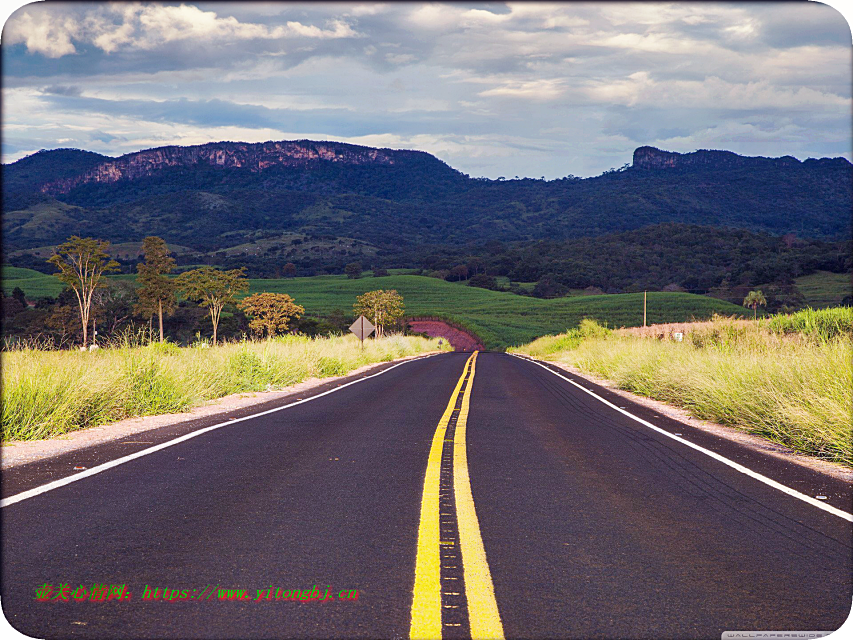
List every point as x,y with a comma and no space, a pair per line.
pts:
48,393
788,379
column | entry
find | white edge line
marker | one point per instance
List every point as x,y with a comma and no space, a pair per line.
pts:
30,493
734,465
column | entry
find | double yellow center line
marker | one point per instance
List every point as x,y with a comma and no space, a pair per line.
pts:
431,597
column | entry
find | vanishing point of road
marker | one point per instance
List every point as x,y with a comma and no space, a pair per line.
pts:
448,496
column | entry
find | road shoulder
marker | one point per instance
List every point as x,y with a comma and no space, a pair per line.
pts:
19,453
748,440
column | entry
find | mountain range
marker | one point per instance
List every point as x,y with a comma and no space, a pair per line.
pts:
222,195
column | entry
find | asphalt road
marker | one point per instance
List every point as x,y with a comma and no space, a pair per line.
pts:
592,524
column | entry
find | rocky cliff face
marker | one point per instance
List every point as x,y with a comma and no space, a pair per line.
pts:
652,158
255,157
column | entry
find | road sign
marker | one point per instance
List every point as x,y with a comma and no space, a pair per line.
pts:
362,328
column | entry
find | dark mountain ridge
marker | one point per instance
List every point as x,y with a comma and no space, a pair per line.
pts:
255,157
653,158
221,193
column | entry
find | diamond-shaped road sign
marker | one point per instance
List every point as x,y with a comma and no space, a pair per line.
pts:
362,328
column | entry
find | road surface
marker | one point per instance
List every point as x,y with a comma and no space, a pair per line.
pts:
447,496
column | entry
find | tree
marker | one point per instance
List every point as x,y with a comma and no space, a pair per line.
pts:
753,300
382,308
457,273
213,289
484,282
270,312
157,292
82,263
114,305
475,265
380,273
353,270
289,270
19,295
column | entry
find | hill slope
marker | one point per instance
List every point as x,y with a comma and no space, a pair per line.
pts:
500,319
221,193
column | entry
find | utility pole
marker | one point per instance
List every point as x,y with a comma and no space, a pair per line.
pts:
644,308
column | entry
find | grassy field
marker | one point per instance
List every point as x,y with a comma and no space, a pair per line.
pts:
824,289
786,378
33,283
48,393
500,319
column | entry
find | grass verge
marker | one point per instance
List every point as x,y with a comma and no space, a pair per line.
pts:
48,393
787,378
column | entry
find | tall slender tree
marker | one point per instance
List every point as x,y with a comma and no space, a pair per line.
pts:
156,291
82,263
213,289
753,300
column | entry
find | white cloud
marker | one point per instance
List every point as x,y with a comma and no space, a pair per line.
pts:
148,26
399,58
640,89
545,89
45,34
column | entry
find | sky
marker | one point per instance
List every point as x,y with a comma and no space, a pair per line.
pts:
493,89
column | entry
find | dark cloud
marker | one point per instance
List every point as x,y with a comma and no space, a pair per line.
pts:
60,90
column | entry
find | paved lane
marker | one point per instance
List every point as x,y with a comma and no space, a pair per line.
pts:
324,493
598,527
527,508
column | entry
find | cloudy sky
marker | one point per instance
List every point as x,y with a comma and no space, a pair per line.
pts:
493,89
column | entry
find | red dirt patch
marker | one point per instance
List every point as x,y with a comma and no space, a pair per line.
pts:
459,339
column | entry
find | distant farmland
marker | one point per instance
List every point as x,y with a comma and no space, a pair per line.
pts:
500,319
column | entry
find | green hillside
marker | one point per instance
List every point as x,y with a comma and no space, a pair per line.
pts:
33,283
499,318
824,289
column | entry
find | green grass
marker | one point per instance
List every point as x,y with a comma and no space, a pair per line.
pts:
48,393
824,289
499,318
33,283
787,378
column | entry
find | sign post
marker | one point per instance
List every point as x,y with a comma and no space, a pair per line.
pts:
362,328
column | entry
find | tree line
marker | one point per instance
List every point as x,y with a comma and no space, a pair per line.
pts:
83,263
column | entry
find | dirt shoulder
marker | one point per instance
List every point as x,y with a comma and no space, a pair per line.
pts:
748,440
460,340
17,453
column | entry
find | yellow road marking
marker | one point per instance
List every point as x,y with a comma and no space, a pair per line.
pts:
483,613
484,619
426,603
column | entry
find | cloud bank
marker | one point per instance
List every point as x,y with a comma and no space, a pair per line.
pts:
494,89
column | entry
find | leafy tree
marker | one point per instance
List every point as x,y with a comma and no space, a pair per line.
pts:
213,289
11,307
475,265
483,281
82,263
353,270
382,308
753,300
289,270
548,287
19,295
459,272
114,305
380,273
270,312
157,291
